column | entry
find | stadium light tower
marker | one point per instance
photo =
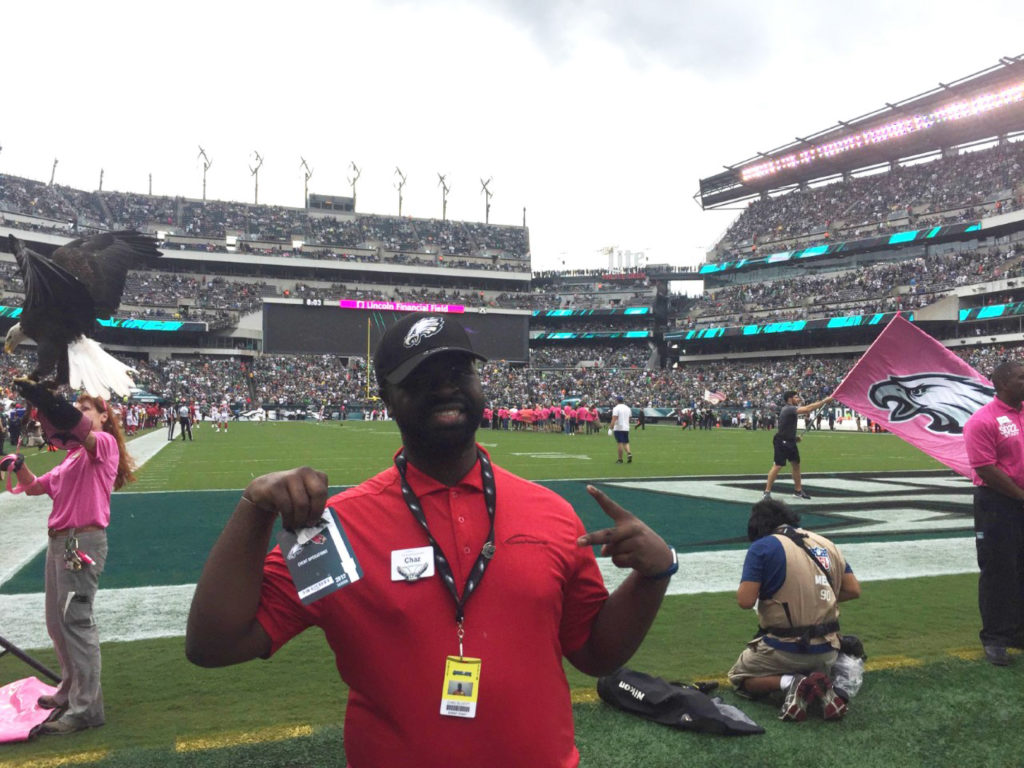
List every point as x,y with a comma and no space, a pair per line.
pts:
101,180
443,184
207,162
398,185
356,173
255,171
53,171
487,198
308,174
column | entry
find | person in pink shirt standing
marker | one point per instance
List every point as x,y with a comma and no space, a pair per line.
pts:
96,464
994,440
570,418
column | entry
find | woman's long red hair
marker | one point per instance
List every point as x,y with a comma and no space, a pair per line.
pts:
125,463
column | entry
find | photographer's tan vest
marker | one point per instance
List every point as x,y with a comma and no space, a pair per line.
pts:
806,598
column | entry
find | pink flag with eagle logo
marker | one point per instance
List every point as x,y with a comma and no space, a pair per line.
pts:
917,389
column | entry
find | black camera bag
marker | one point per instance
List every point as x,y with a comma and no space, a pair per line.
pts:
675,704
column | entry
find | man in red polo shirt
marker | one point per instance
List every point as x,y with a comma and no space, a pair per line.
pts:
464,573
994,439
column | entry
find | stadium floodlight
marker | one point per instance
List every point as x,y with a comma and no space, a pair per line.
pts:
954,111
356,173
398,185
101,181
443,184
255,171
53,171
305,188
487,198
207,162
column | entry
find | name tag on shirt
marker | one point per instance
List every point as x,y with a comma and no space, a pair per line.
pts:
320,558
412,564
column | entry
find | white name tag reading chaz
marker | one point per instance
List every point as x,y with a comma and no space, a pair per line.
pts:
412,564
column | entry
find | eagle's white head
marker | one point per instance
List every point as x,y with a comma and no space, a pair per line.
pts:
14,337
947,399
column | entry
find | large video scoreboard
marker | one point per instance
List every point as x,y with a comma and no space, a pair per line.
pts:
348,329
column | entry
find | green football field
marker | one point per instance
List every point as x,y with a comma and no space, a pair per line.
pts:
902,519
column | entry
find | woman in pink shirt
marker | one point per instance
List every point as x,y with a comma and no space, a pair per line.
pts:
96,463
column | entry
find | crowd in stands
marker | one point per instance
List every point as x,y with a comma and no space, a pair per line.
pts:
942,191
312,381
554,290
216,299
163,289
885,287
216,219
560,355
955,188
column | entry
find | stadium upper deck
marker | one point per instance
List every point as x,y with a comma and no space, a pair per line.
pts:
952,155
227,224
975,108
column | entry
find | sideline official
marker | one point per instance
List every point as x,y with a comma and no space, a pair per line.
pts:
995,448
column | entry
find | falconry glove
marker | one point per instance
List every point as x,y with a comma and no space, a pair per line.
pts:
12,462
63,424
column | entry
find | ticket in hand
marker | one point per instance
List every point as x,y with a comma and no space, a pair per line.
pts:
319,558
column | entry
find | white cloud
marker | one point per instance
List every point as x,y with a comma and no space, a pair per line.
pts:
598,117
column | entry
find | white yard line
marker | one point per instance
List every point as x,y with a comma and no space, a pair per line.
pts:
147,612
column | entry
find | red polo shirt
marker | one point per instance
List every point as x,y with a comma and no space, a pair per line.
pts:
536,602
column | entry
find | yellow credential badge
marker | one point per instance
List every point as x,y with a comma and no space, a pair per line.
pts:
461,687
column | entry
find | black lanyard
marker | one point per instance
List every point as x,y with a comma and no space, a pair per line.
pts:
476,573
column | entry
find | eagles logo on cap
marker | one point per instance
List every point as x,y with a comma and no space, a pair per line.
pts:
413,339
422,329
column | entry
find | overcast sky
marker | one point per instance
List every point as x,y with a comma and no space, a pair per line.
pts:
597,116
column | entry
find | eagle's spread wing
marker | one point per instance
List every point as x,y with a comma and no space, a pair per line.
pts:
64,293
101,264
49,286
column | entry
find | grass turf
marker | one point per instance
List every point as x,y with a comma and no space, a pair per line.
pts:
927,701
351,453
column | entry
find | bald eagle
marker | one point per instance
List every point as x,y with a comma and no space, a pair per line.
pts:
64,294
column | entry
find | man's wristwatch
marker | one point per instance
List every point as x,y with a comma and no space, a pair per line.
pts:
667,573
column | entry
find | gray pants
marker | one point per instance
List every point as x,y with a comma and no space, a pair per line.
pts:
72,628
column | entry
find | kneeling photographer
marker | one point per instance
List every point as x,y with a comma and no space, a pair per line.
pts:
796,579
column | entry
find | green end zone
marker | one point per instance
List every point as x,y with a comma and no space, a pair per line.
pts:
163,538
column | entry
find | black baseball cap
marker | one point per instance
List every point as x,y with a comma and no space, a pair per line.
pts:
415,338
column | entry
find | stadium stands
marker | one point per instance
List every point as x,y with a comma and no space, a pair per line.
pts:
943,190
885,287
594,334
